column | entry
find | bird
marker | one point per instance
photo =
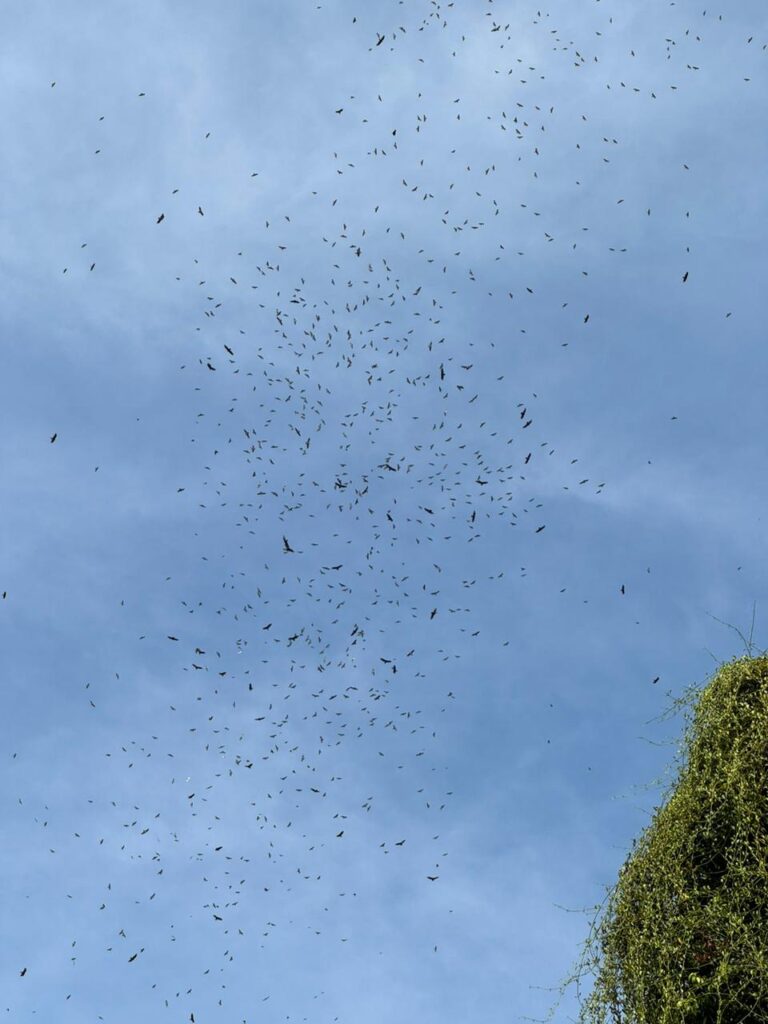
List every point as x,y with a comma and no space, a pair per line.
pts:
160,218
287,547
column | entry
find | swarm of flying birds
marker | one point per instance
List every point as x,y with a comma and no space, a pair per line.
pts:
366,470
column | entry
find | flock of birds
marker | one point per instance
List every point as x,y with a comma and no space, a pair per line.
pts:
365,471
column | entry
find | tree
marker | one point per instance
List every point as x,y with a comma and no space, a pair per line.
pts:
682,937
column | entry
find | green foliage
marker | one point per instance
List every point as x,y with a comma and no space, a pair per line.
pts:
682,937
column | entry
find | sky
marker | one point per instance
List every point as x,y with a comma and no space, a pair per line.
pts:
383,443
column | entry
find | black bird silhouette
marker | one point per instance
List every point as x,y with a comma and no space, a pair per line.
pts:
53,437
287,547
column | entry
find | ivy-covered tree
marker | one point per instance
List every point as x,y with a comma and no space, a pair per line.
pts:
682,937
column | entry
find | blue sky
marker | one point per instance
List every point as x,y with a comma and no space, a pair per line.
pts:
495,229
